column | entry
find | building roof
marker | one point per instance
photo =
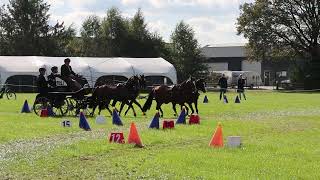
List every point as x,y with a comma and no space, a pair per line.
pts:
226,50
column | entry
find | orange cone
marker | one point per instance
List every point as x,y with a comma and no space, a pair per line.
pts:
134,137
217,138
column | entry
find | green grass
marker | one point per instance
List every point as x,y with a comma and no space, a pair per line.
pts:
280,134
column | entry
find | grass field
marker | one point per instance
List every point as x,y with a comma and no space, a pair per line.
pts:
280,133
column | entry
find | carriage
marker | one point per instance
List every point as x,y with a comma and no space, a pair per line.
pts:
62,100
63,103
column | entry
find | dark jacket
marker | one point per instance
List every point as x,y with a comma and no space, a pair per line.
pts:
241,83
52,80
66,71
223,83
42,84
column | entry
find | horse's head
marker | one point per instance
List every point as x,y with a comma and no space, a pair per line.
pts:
142,81
201,85
133,82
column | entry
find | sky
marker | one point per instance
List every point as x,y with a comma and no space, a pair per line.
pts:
214,21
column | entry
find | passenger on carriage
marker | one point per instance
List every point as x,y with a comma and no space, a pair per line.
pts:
52,78
42,83
71,78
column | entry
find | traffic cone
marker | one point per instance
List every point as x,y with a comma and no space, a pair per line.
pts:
44,112
182,117
225,99
25,107
83,123
155,121
205,100
217,138
237,100
115,118
134,137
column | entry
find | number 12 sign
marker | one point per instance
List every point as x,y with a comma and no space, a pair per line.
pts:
116,137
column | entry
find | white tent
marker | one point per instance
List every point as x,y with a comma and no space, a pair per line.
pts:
91,68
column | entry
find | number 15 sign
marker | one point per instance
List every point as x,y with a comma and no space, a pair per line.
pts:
116,137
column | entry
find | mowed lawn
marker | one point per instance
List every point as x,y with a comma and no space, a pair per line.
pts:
280,134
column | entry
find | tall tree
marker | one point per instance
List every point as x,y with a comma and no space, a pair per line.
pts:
24,26
186,52
142,42
114,33
91,37
283,28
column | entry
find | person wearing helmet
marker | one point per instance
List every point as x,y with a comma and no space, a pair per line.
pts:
241,84
42,83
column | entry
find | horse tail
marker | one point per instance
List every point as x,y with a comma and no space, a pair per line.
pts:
148,103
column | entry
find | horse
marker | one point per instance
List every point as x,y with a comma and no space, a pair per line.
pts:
102,95
192,98
129,102
164,94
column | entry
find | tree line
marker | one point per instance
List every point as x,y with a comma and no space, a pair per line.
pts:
25,30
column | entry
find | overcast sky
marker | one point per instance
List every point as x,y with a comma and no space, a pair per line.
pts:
213,20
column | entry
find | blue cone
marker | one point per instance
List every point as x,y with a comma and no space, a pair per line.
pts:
25,108
237,100
225,99
83,123
50,111
155,121
182,117
116,119
205,100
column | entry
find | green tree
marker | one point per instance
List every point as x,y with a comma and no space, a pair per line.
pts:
91,37
283,28
142,42
114,33
25,29
186,52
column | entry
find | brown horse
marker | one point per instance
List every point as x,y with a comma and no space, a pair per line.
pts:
132,99
102,95
191,97
176,94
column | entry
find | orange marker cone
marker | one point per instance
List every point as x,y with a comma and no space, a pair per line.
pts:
217,138
134,137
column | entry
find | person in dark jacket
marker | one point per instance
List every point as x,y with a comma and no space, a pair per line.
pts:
241,83
42,83
71,78
223,83
52,77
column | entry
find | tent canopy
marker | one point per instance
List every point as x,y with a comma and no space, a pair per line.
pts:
91,68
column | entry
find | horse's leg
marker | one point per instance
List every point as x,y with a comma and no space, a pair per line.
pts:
174,109
196,106
122,105
190,105
159,108
139,105
134,111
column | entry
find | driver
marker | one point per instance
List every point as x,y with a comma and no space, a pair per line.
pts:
71,78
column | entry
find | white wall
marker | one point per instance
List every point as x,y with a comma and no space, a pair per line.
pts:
218,66
251,66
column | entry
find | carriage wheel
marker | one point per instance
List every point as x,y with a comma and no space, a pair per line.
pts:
72,106
11,95
60,109
39,104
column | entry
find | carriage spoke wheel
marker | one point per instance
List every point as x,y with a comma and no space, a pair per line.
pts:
11,95
61,108
72,106
39,104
